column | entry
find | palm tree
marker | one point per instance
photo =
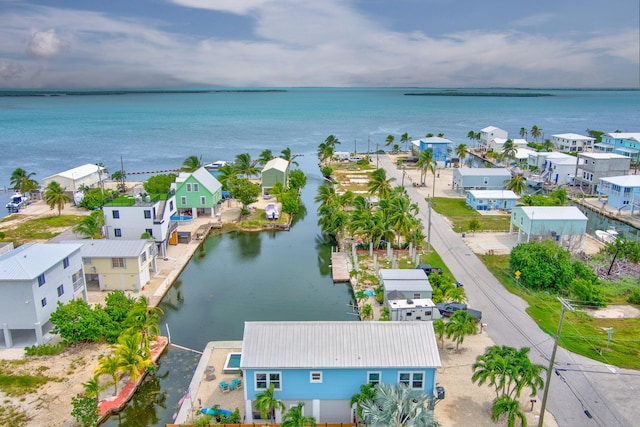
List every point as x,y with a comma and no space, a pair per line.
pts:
91,225
92,388
55,196
389,140
517,184
144,319
294,418
267,403
367,393
509,407
22,182
379,183
471,135
548,145
244,165
133,357
426,163
439,328
120,176
191,164
398,406
460,325
109,365
264,157
405,138
461,151
399,217
332,141
523,133
536,132
325,152
509,149
225,174
288,156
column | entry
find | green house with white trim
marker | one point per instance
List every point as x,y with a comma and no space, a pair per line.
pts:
276,170
197,193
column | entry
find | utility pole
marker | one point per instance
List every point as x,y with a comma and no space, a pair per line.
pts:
377,155
429,226
565,306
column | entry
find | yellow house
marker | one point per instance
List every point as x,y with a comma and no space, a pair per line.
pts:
125,265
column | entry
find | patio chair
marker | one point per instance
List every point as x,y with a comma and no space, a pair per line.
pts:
236,383
224,387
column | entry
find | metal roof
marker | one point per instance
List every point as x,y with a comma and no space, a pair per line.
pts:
31,260
602,155
575,136
79,172
317,345
493,194
483,171
203,176
403,274
542,213
407,285
114,248
623,180
277,163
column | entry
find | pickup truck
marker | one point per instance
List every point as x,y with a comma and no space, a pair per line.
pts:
428,269
446,309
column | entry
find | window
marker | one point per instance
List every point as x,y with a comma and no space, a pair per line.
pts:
147,214
315,377
65,262
115,214
188,188
60,290
143,257
118,263
203,200
43,302
265,379
485,180
373,378
41,280
183,200
414,380
196,188
171,205
150,231
117,232
86,261
416,295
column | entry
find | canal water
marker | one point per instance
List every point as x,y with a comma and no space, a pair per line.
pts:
239,277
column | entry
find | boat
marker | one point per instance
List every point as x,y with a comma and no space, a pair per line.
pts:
271,211
535,181
18,201
215,165
607,236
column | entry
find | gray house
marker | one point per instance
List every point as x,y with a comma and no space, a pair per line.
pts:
592,167
480,179
564,224
33,279
405,284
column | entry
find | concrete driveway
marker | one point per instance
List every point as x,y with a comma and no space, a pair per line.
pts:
583,392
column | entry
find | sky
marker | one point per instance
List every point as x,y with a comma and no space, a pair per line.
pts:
319,43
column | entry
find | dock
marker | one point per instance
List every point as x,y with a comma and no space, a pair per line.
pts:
340,266
203,231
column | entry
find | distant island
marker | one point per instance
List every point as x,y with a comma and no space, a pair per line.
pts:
473,93
86,92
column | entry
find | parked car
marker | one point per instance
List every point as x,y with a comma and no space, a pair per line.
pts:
428,269
412,159
446,309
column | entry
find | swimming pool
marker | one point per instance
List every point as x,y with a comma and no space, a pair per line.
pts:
232,364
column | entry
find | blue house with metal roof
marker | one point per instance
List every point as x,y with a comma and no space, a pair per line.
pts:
441,148
323,364
621,192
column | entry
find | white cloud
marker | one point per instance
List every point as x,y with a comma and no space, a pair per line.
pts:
300,43
45,44
10,70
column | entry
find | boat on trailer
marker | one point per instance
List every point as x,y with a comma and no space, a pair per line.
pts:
215,165
271,211
17,202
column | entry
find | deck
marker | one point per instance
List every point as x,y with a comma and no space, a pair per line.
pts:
340,266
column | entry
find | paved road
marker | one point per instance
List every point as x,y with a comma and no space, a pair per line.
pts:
609,395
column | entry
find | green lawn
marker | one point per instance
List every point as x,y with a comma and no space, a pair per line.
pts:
581,333
40,228
460,214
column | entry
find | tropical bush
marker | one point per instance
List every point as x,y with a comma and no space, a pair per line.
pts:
44,350
543,266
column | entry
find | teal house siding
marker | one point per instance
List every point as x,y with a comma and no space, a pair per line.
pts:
197,193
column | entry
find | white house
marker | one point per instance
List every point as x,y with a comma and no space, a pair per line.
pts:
564,224
573,142
497,144
33,279
129,217
490,133
559,168
88,175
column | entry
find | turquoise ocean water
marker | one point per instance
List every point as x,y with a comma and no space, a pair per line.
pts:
158,131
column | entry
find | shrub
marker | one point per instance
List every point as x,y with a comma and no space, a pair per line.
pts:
44,350
634,298
587,292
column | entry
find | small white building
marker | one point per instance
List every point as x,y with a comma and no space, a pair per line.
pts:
88,175
421,309
573,142
497,144
490,133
